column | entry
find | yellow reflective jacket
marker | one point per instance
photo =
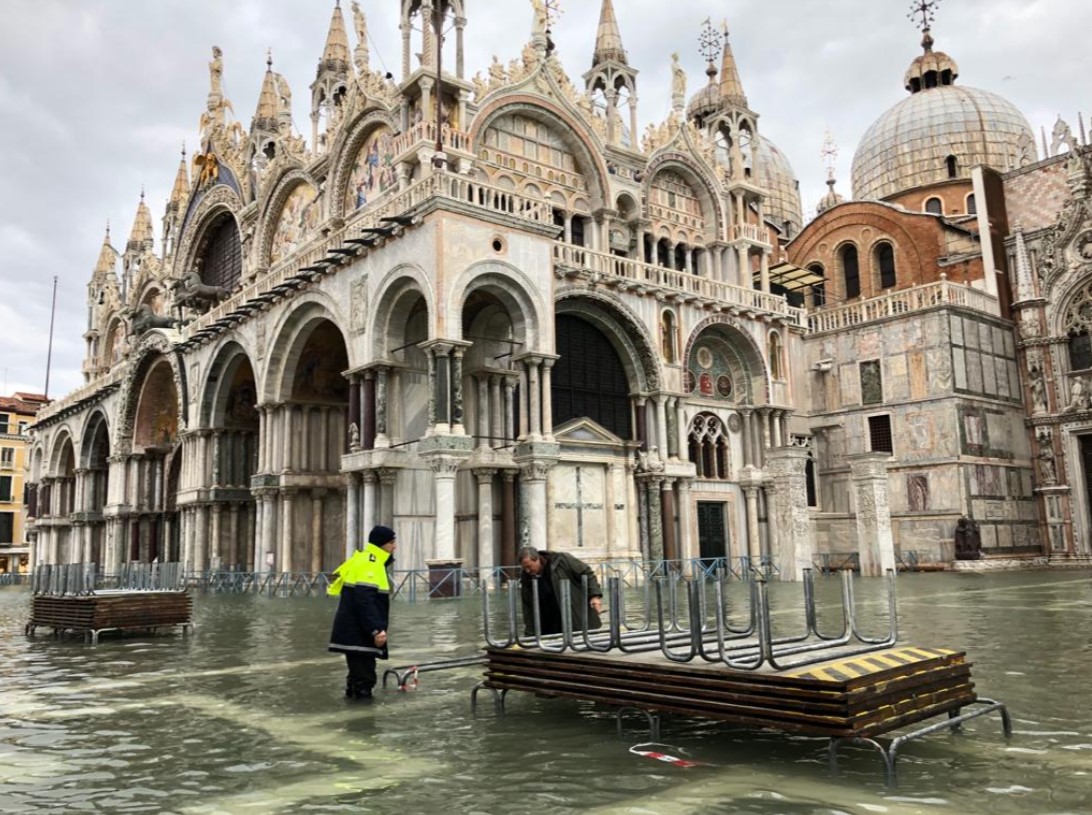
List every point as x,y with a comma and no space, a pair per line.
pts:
367,567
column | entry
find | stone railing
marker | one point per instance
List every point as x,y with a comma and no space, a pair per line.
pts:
426,132
750,232
898,303
645,274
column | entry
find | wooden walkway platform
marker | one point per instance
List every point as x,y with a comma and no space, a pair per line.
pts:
847,696
121,611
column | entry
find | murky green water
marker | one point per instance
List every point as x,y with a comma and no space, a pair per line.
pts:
247,717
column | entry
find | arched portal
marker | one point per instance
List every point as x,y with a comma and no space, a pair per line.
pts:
153,529
60,502
95,457
303,526
723,365
229,408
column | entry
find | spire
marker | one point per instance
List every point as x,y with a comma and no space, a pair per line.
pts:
265,117
608,41
181,184
108,257
830,156
335,56
731,87
142,226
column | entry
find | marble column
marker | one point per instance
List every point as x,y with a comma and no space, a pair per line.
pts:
317,502
747,438
368,517
486,559
534,402
483,412
267,558
667,493
288,517
201,538
547,399
510,409
533,485
496,409
216,550
236,557
457,407
661,424
789,513
875,539
388,478
687,549
353,531
655,520
382,408
754,538
508,519
444,469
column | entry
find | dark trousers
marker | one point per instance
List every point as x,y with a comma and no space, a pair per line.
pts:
361,678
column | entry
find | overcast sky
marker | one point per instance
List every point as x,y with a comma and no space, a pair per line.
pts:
97,96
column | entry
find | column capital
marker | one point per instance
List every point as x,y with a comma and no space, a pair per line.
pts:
485,475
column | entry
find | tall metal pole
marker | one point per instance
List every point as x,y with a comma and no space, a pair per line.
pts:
438,20
49,355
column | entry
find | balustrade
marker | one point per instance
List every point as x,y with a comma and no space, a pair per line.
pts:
902,302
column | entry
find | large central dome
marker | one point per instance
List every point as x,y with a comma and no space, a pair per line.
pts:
940,133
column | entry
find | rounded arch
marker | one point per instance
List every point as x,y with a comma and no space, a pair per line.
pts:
345,153
743,357
227,361
884,264
521,299
273,210
206,215
627,334
153,348
62,454
704,185
848,256
572,131
95,426
293,331
396,298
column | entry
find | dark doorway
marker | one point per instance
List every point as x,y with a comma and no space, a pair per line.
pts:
1086,460
712,531
589,379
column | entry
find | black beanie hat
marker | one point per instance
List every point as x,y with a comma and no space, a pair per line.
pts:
381,535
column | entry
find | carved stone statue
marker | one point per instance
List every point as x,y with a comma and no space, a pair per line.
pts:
968,540
216,73
144,319
1038,390
354,436
190,292
1048,472
542,18
1078,395
678,83
360,53
649,461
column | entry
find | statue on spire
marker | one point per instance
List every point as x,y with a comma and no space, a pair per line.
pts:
216,73
360,53
678,84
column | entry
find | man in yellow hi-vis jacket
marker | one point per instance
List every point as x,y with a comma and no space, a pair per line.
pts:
360,625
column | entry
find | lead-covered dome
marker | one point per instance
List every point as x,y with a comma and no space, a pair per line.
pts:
939,134
776,175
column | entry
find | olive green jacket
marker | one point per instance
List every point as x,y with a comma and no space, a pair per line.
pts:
564,567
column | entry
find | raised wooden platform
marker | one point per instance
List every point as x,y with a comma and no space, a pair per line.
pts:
845,696
122,611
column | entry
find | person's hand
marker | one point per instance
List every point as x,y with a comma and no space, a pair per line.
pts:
381,639
597,604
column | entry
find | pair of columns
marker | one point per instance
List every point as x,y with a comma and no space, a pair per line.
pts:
665,508
665,423
763,428
371,394
276,523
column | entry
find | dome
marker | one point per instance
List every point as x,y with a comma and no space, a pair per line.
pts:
831,199
704,102
775,174
913,143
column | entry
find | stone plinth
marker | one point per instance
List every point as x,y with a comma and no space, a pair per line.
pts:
875,541
795,535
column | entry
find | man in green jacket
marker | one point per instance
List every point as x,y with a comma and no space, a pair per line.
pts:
549,570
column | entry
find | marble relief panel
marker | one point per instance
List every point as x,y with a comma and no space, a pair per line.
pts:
974,371
1001,374
960,365
851,384
868,344
957,329
919,383
985,337
989,376
895,378
970,334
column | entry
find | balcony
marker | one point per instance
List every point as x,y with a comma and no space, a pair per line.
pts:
752,233
901,303
627,273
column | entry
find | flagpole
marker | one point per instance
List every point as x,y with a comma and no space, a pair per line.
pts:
49,355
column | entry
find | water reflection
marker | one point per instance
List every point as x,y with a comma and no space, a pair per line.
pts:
248,716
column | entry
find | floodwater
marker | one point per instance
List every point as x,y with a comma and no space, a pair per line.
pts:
247,716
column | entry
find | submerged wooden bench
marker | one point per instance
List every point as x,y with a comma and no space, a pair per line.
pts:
123,611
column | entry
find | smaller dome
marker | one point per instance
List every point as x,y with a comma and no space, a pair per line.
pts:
775,173
707,101
932,69
831,199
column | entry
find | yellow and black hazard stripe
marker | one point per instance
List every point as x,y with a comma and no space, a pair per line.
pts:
867,664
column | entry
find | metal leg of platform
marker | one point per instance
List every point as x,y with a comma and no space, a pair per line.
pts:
652,718
498,698
890,753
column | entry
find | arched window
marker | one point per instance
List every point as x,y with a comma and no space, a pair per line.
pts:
709,447
851,271
885,264
589,378
818,290
972,205
669,336
220,256
777,367
934,206
1078,328
953,167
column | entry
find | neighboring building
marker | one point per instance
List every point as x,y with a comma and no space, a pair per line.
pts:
553,332
16,416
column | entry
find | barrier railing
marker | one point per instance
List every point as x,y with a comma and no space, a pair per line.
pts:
898,303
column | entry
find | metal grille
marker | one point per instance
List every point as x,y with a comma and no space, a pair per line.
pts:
879,429
589,379
221,254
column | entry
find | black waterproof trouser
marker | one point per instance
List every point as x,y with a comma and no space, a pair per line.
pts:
361,678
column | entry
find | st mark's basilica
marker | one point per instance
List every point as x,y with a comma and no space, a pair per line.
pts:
492,310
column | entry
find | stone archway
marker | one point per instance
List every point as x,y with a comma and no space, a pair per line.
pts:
156,444
95,475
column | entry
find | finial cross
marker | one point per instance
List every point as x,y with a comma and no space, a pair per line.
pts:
830,155
709,41
926,10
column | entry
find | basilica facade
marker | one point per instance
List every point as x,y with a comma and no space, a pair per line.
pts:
488,311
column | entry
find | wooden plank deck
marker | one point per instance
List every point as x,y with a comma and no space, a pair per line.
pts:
847,695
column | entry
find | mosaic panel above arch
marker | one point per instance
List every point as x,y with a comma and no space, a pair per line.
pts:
372,176
299,218
514,138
